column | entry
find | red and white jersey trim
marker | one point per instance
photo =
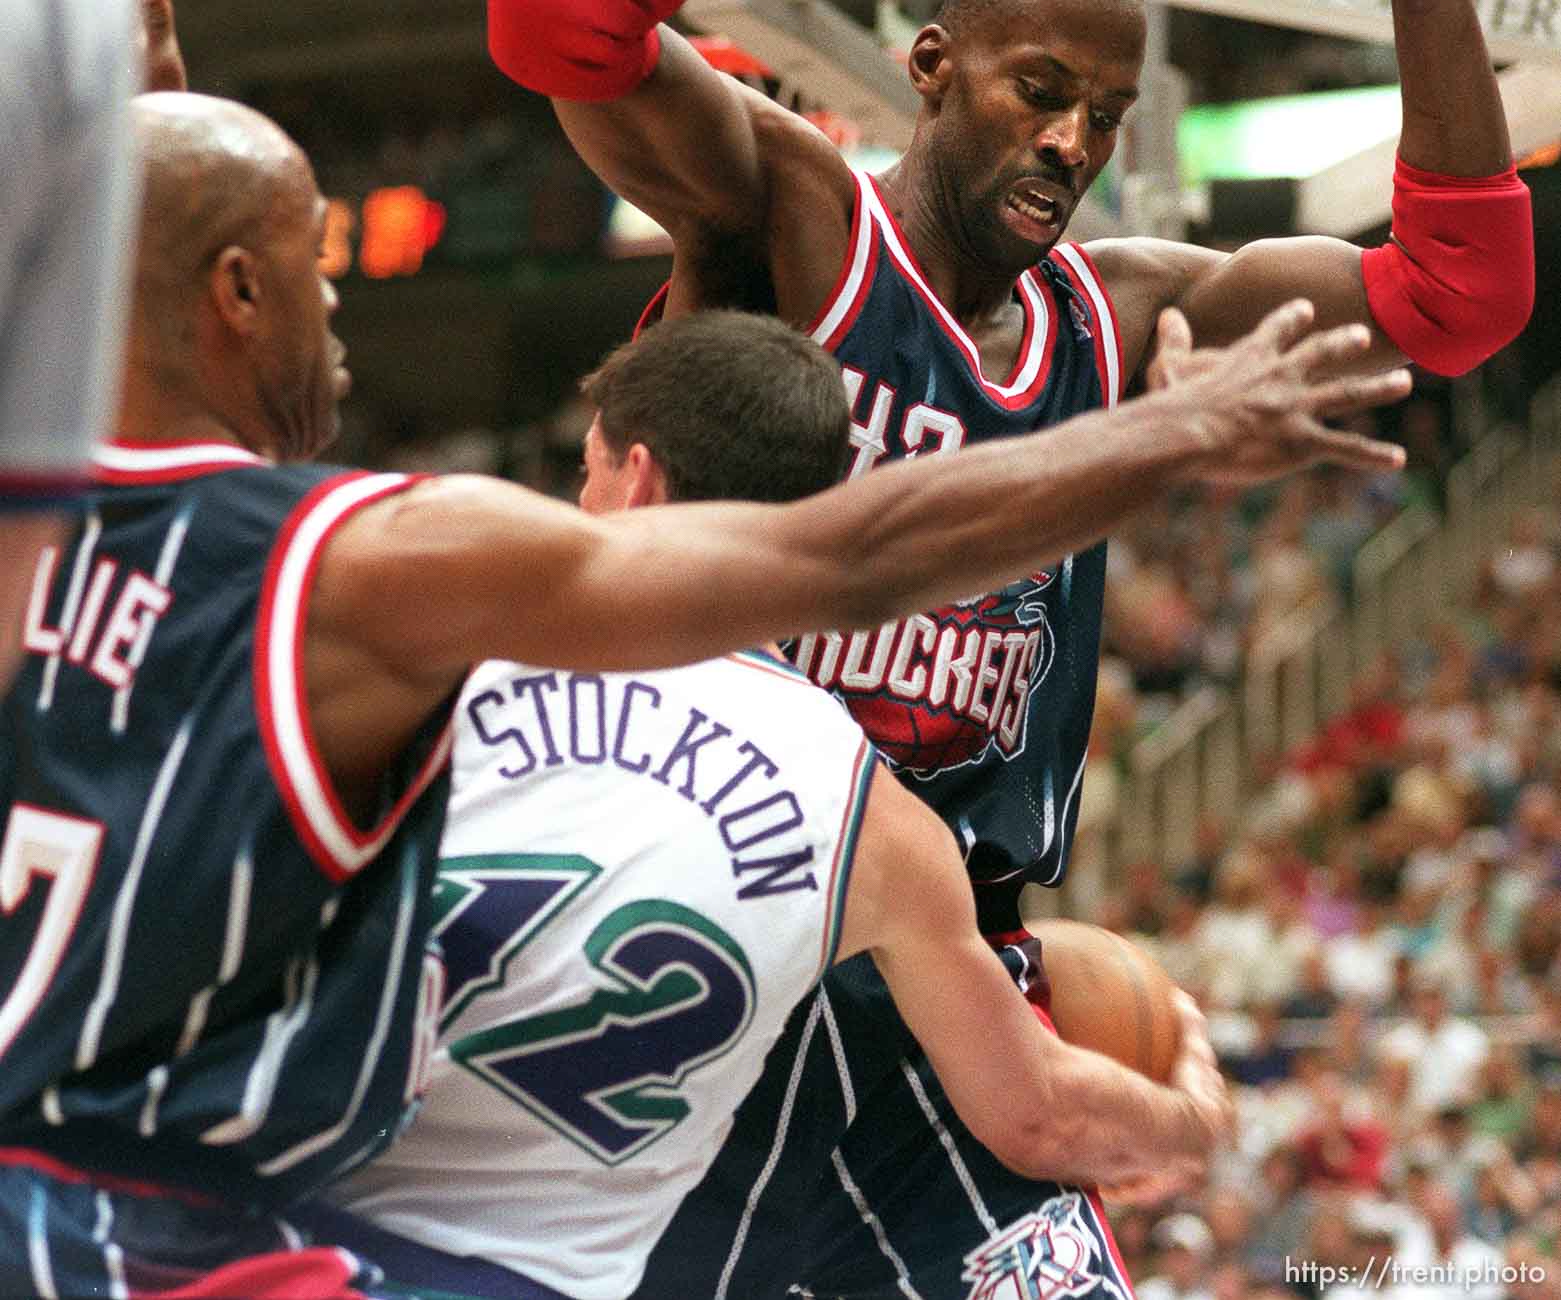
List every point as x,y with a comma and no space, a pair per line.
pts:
845,301
167,462
338,847
1108,335
1030,369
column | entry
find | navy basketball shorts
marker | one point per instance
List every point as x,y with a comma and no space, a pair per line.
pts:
847,1176
66,1234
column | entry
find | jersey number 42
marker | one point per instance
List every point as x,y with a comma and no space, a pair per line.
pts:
666,991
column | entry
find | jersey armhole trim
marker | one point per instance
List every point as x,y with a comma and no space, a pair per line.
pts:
653,312
1108,334
844,303
339,848
861,782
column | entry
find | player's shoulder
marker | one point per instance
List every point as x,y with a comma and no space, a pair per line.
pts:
1142,276
792,147
1139,265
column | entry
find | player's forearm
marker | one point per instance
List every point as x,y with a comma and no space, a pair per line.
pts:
1092,1121
1454,123
912,535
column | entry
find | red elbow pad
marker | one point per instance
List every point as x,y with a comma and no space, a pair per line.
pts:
1457,282
587,50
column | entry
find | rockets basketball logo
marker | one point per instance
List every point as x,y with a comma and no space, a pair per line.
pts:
937,691
1050,1254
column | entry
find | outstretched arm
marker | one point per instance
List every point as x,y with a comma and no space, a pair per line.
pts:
415,587
712,160
497,571
1051,1110
1457,282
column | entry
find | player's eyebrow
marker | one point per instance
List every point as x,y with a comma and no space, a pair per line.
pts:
1123,94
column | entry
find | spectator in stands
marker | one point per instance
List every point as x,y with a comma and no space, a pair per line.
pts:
1445,1051
1504,1097
1360,962
1341,1147
1185,1251
1313,998
1466,1260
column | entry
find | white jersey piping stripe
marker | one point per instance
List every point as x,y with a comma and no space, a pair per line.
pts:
121,458
38,1244
1105,322
875,1226
338,846
842,1063
946,1141
782,1128
119,924
395,960
1073,790
282,1026
854,283
1040,319
839,885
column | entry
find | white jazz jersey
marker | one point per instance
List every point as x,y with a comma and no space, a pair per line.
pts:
642,873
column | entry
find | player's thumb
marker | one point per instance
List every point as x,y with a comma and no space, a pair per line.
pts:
1173,343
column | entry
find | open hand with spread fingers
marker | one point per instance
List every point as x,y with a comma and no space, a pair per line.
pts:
1264,398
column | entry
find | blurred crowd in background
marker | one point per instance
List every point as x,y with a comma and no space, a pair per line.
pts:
1376,943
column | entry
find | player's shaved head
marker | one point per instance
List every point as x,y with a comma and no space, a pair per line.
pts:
230,314
959,16
216,174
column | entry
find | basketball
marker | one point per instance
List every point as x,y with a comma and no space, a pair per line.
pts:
1110,996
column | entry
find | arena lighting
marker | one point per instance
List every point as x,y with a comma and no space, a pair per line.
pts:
1286,136
400,225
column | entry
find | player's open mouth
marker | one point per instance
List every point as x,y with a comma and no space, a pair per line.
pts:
1033,214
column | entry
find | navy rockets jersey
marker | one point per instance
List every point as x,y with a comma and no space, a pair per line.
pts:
984,707
209,977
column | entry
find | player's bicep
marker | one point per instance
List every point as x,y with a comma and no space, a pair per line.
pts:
682,146
1229,297
464,568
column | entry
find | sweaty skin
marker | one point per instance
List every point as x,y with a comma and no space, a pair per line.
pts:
1022,97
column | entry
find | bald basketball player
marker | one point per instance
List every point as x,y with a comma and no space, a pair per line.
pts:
223,761
67,197
959,314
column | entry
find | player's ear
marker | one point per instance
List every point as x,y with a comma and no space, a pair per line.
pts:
928,63
234,285
647,480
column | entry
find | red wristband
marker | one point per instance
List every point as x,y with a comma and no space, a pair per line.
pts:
576,49
1457,282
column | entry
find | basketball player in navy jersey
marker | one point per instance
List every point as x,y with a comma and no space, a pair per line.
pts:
222,761
960,316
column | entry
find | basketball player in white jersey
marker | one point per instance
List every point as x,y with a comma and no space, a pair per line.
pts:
641,875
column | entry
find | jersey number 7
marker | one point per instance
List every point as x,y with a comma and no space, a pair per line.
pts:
39,842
